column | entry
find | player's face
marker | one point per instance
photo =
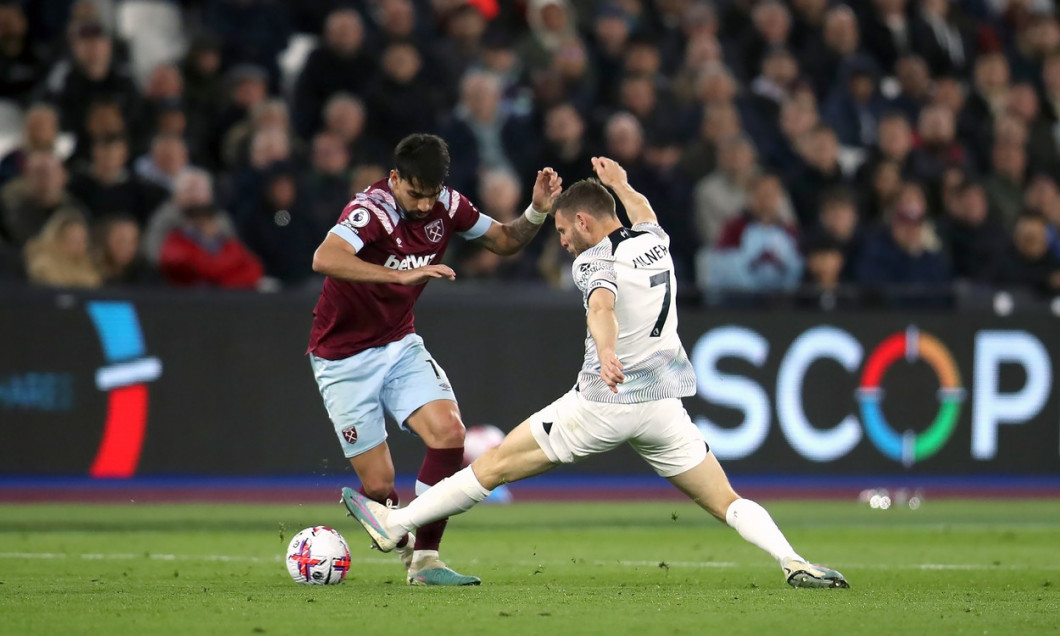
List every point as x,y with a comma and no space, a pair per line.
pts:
414,197
572,236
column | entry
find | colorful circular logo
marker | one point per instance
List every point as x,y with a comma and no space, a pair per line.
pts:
910,447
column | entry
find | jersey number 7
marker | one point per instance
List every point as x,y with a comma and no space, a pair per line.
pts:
662,278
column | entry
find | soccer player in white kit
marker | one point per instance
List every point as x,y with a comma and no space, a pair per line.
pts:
629,388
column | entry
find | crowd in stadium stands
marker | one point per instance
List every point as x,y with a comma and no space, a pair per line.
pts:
815,143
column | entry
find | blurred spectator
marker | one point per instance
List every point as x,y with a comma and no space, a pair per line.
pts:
894,144
829,56
344,117
825,262
192,189
199,252
700,156
885,30
769,31
500,196
937,147
723,194
552,23
167,159
820,171
572,65
885,184
21,62
898,254
251,32
566,147
402,101
855,105
59,255
758,251
39,132
479,132
915,88
117,253
107,187
395,20
624,140
798,116
204,93
279,228
325,186
460,47
941,37
1043,147
975,238
365,175
775,84
661,180
1033,265
1004,186
270,114
26,203
1043,197
341,64
988,98
247,88
92,73
104,121
839,222
610,35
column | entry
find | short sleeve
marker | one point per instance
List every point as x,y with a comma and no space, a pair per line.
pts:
652,228
595,272
357,226
468,222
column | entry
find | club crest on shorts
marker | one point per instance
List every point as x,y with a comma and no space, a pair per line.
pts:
434,230
350,434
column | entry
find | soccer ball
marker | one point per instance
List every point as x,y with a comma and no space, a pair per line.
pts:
480,439
318,556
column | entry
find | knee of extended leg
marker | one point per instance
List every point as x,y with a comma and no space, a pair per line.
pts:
447,431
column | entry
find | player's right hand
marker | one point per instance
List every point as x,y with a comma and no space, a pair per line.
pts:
421,275
609,172
611,370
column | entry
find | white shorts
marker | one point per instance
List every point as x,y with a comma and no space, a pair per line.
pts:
573,428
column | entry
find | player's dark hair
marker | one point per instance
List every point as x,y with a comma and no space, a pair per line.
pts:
587,195
422,160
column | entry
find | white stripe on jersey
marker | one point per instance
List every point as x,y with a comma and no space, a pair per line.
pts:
635,264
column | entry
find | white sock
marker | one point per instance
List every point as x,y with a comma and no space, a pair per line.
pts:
756,526
448,497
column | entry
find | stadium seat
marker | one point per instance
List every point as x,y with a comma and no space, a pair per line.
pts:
154,32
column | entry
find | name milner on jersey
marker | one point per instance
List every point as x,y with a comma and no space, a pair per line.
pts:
652,256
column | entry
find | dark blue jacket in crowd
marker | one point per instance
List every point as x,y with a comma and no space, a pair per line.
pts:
883,262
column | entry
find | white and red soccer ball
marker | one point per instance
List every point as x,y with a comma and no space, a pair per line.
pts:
479,439
318,556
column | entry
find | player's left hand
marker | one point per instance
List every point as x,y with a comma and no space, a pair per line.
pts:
611,370
546,188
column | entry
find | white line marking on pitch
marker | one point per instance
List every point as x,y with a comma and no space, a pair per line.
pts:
235,558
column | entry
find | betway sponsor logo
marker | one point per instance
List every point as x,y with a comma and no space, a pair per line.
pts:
409,262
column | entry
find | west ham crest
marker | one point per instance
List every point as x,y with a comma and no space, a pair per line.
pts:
434,230
350,434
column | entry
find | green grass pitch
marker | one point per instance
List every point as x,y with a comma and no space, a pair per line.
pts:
952,567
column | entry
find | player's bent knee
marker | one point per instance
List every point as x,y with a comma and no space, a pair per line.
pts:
446,432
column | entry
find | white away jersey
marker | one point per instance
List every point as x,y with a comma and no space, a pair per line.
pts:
635,264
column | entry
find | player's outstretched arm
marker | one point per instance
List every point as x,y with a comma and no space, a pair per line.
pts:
612,175
603,327
509,238
338,259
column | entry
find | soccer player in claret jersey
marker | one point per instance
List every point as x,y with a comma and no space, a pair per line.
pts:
366,357
629,388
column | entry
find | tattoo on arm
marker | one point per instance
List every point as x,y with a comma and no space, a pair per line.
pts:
522,230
